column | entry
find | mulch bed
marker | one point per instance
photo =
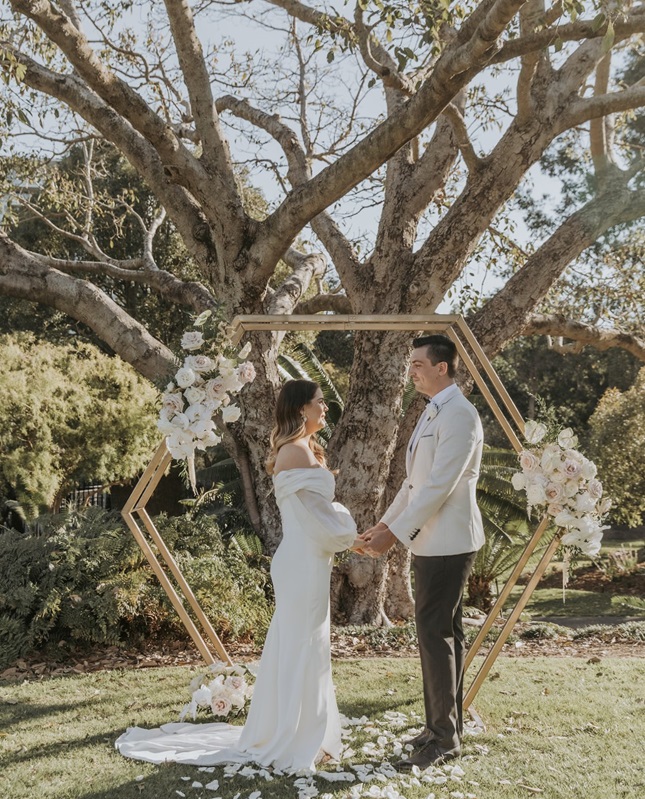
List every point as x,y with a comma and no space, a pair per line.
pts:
590,578
180,653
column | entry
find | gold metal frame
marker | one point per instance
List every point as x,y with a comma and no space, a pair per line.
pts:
452,325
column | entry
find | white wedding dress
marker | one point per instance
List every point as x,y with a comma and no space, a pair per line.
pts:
293,719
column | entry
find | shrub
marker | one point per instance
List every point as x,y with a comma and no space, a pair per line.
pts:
628,632
544,632
79,576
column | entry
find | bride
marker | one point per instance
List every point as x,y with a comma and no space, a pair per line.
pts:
293,721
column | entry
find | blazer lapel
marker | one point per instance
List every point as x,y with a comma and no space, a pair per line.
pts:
419,431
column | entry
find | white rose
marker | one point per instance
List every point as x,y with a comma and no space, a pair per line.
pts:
519,481
244,352
199,363
528,461
553,509
589,469
231,414
215,389
595,489
571,488
574,455
185,377
198,411
237,699
202,696
192,340
231,383
246,372
235,682
571,468
194,394
534,431
557,476
567,439
221,706
172,402
554,492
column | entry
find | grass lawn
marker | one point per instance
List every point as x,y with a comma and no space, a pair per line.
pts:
557,727
548,602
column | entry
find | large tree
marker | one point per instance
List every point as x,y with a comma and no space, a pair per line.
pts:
187,114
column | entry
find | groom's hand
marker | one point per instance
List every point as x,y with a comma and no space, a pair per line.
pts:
378,539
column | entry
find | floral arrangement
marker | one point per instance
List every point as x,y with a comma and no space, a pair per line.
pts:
223,690
199,398
562,483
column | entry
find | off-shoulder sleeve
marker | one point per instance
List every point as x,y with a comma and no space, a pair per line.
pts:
333,527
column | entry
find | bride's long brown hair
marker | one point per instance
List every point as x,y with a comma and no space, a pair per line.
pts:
290,424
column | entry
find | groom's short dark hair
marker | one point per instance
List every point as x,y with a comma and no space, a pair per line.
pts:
440,348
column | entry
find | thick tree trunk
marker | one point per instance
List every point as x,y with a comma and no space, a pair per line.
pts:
362,448
399,599
251,440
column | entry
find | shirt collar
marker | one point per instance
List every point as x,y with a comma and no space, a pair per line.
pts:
445,394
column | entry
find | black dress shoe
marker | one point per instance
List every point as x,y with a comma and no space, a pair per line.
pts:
424,737
429,755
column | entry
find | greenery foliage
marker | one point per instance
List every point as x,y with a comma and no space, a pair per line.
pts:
570,385
79,577
505,525
69,414
616,444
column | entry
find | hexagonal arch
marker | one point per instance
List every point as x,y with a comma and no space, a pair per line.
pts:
503,407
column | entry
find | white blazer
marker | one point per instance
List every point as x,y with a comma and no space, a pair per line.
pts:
435,511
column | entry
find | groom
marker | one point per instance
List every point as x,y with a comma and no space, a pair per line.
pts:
435,515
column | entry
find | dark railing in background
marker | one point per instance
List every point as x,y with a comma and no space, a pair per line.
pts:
85,495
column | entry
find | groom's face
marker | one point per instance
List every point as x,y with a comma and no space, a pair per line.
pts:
428,378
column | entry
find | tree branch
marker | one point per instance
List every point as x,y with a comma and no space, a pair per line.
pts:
127,103
632,23
471,159
385,68
556,326
306,267
136,270
599,128
329,303
24,277
183,208
453,71
299,172
505,315
215,151
529,16
602,105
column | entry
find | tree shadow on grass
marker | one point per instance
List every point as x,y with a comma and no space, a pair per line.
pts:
166,779
27,754
13,714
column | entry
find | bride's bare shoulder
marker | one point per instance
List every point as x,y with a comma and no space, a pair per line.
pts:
294,456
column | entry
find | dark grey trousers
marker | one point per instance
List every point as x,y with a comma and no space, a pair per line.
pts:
439,584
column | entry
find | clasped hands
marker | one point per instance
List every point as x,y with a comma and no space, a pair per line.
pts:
374,541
